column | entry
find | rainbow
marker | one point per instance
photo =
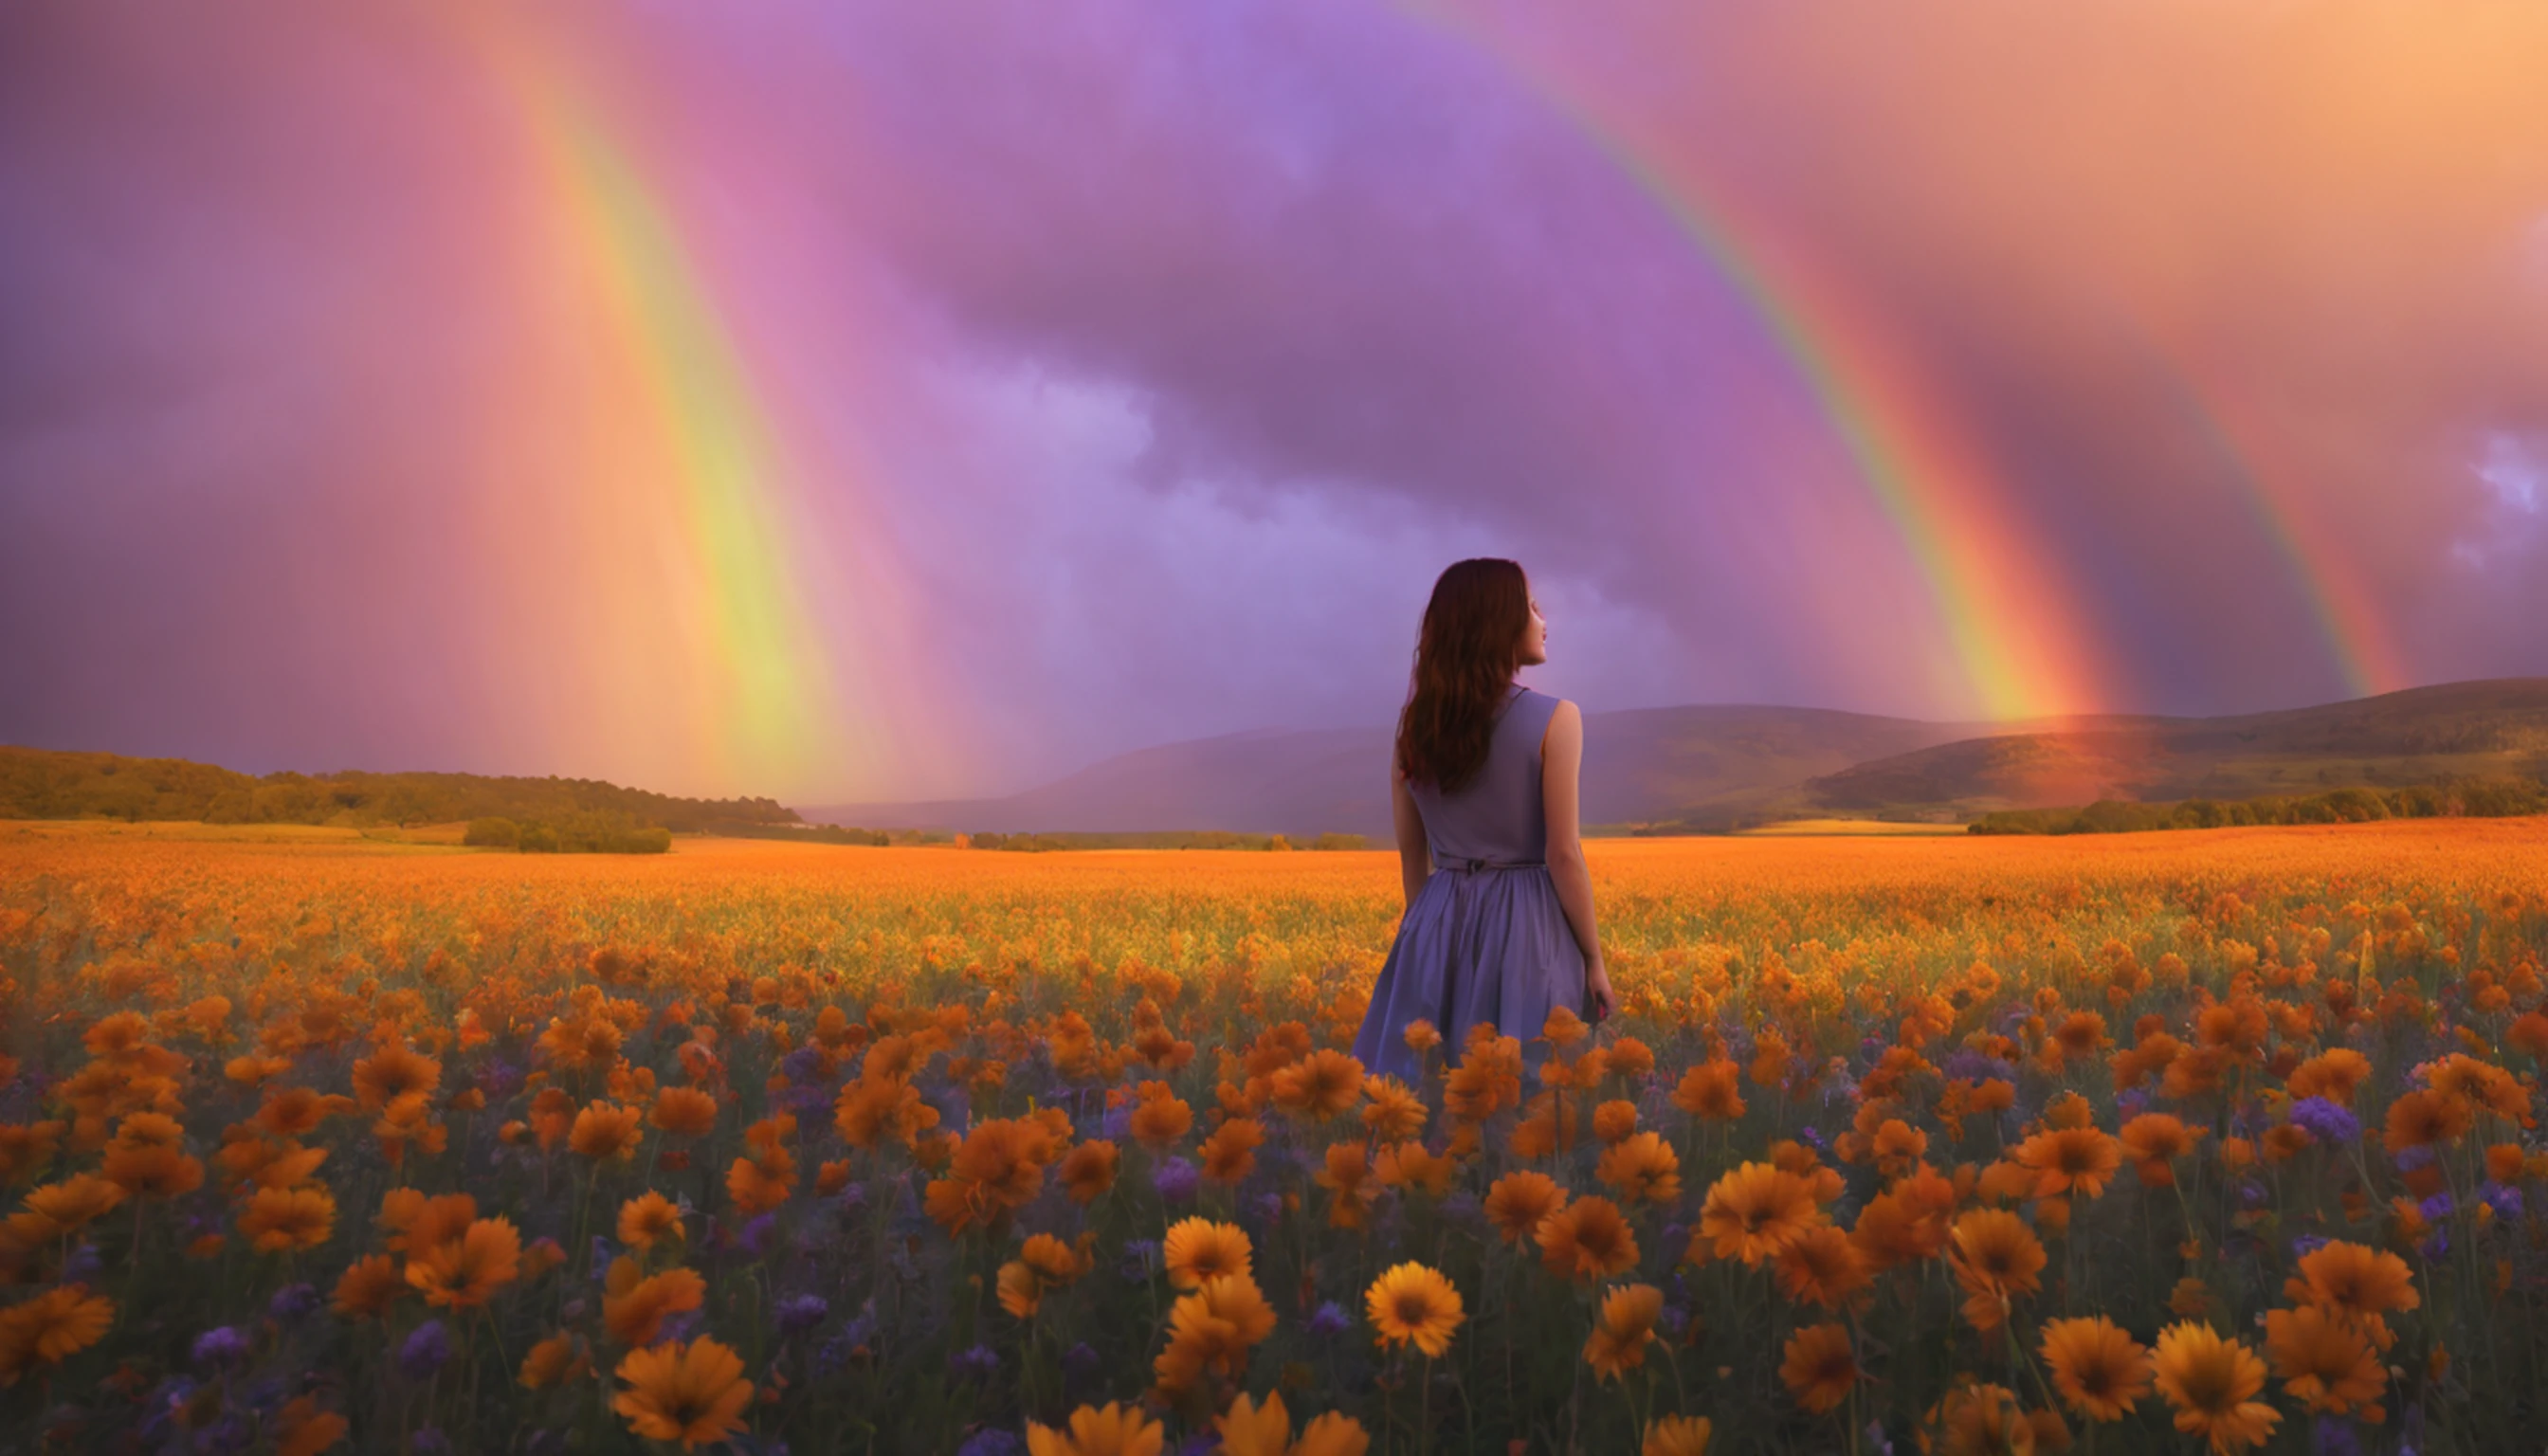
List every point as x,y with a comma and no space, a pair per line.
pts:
2356,635
2017,639
688,494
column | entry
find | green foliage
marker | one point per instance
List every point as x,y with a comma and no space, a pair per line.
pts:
38,783
496,834
2475,799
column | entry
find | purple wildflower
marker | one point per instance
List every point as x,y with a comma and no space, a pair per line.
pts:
2505,1199
799,1313
1330,1319
425,1351
2325,1120
982,1363
991,1443
2412,1158
293,1302
2438,1207
223,1344
1176,1180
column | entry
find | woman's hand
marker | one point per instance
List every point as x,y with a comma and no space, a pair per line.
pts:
1596,991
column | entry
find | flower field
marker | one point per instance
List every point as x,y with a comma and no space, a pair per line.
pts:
2211,1141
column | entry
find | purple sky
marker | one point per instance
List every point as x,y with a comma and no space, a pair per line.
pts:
1182,346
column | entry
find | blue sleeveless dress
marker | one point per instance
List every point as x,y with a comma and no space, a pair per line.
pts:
1486,939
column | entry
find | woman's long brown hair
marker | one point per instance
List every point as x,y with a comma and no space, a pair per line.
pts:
1464,660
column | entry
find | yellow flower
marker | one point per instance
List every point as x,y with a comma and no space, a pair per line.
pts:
1411,1302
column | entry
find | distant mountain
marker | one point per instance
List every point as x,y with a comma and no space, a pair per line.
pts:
1705,767
1639,764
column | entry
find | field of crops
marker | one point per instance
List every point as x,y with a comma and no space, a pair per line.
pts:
2210,1140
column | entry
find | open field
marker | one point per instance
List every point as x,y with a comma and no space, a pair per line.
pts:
313,1140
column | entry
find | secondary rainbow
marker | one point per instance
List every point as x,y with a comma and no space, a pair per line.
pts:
2349,623
2017,636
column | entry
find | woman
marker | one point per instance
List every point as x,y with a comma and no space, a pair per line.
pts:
1499,922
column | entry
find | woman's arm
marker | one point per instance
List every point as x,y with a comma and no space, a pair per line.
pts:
1561,761
1415,856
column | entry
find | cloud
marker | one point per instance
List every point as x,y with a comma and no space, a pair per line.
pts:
1180,347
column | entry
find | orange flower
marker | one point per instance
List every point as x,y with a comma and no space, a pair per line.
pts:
1230,1154
1346,1174
467,1271
1104,1430
1323,1085
278,1219
1973,1418
1159,1121
647,1217
1677,1435
1626,1326
684,1112
1711,1089
1564,1028
1214,1327
301,1429
603,1130
51,1327
2326,1362
1045,1263
1393,1113
61,1208
635,1305
2209,1380
1408,1165
1519,1201
1996,1257
1822,1265
1756,1211
693,1393
417,1223
553,1361
2071,1159
1088,1170
1198,1249
1820,1366
2155,1140
2356,1284
1250,1429
2100,1371
1411,1302
1641,1167
761,1179
1587,1240
2423,1117
152,1170
369,1286
393,1072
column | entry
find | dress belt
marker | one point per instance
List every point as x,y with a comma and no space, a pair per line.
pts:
1472,866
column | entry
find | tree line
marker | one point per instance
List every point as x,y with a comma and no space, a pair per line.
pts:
2473,799
43,784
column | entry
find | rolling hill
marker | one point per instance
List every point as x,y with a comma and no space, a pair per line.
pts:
1712,767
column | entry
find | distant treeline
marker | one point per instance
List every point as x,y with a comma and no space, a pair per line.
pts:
830,834
575,834
39,783
2475,799
1182,839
